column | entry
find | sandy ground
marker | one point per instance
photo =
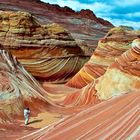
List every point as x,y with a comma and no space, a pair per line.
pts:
43,119
18,130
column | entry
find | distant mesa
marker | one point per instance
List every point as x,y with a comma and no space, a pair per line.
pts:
127,27
90,15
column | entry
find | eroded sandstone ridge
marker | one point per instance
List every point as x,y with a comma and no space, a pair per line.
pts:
84,26
123,76
110,105
116,42
92,107
48,52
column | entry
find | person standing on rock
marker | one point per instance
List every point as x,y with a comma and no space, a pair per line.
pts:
26,115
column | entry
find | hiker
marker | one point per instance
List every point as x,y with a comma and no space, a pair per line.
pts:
26,115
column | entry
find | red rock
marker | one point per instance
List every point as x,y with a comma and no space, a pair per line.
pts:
48,52
115,43
97,102
113,93
17,90
98,122
122,76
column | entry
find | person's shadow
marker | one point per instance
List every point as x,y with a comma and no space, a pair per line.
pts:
35,121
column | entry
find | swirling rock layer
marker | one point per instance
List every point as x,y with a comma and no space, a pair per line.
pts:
17,89
123,75
122,79
116,42
41,48
96,119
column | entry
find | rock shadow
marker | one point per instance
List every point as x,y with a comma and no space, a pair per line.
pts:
35,121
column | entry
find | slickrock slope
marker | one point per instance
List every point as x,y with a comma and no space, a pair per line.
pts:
97,101
98,122
120,78
116,92
17,90
48,52
123,75
84,26
117,41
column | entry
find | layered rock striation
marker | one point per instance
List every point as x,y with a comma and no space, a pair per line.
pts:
116,92
116,42
98,122
18,89
48,52
123,76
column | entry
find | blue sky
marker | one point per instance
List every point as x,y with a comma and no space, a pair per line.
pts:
119,12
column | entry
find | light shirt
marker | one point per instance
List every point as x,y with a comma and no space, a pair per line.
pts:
26,112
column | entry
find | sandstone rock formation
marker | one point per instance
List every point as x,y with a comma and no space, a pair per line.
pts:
121,77
109,83
98,101
47,51
97,121
117,41
17,89
83,25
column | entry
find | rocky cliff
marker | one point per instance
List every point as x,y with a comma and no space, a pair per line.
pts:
84,26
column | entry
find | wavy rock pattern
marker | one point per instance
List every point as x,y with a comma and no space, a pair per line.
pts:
120,78
116,42
17,89
96,119
41,48
98,122
54,69
123,75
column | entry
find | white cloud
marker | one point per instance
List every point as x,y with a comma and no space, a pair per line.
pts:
126,3
118,22
133,15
